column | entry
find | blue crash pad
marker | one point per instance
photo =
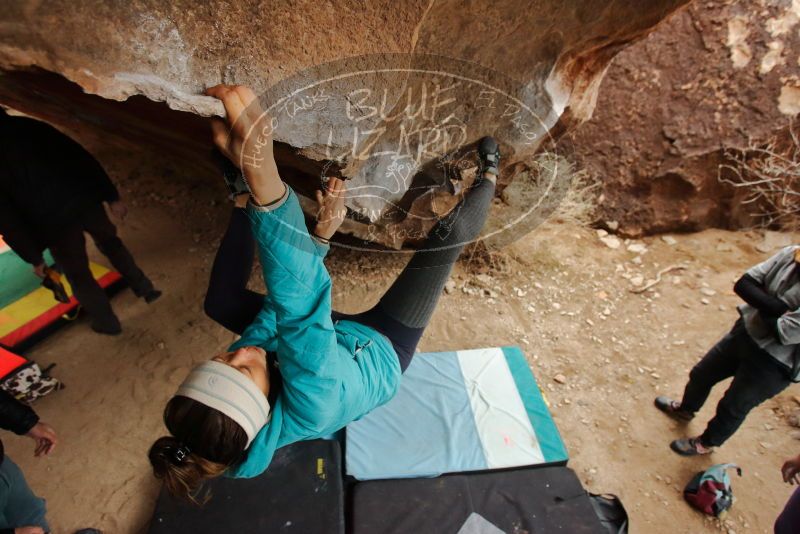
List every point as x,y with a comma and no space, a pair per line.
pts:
461,411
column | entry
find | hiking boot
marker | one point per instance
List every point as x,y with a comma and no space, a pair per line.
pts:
108,327
151,296
673,409
690,447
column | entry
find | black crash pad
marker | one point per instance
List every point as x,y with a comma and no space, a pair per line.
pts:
300,492
539,500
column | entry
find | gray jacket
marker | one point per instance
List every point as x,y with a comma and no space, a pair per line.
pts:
779,275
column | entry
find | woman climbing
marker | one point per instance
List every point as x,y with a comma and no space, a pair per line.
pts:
231,413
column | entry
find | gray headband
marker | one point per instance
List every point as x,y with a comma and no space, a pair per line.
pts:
223,388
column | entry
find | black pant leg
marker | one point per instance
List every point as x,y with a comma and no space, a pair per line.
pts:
228,301
412,298
69,251
758,378
721,362
405,309
96,222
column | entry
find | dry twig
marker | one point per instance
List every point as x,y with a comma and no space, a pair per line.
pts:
770,173
660,273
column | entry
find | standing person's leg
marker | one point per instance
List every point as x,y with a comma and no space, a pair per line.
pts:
721,362
789,520
758,378
99,226
20,507
228,301
69,251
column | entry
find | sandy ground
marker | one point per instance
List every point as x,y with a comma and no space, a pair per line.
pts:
562,297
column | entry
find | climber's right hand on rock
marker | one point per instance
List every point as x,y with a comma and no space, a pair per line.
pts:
245,137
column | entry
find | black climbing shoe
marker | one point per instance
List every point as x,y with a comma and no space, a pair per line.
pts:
673,409
151,296
109,327
489,155
689,447
234,179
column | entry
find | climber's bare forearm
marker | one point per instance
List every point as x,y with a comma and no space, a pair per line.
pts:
264,181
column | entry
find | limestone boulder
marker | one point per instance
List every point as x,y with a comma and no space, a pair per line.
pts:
389,94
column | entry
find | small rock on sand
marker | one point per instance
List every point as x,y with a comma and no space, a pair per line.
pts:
611,242
484,280
561,379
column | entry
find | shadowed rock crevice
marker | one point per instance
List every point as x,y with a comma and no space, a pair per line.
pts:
136,126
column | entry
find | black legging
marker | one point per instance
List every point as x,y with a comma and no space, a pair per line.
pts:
404,310
228,301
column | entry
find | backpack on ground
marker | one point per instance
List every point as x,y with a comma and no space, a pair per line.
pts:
710,491
611,513
24,379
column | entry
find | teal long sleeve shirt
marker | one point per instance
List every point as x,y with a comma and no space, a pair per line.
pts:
332,373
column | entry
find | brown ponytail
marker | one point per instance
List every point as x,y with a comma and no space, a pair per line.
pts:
206,442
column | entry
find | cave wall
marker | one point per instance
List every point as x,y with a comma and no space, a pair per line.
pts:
551,54
712,78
